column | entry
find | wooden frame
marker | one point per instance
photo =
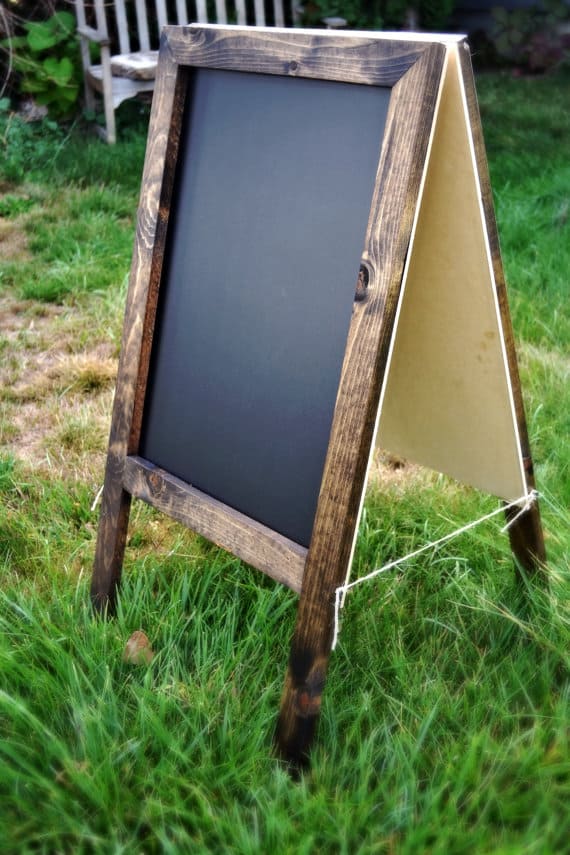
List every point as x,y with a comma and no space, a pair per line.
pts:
413,68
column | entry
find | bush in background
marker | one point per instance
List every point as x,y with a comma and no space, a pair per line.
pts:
535,39
39,55
46,58
382,14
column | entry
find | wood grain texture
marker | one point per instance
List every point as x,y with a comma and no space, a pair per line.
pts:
254,543
393,207
138,327
325,57
526,534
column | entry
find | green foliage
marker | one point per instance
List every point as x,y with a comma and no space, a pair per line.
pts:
47,58
533,38
60,230
97,219
26,146
6,468
434,14
359,14
69,219
46,152
393,12
531,181
382,14
13,206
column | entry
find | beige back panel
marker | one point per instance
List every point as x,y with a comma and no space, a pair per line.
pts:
447,401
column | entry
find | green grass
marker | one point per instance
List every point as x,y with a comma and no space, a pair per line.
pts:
527,131
445,725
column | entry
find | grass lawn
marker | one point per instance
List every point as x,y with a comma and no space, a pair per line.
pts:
446,719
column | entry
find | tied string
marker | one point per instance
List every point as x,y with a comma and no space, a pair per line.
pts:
524,503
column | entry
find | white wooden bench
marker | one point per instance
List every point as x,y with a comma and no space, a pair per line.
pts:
134,29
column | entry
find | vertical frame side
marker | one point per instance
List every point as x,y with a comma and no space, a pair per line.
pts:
395,323
396,192
148,254
525,534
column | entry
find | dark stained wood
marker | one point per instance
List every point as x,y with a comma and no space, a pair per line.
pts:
352,59
526,534
394,203
268,551
138,327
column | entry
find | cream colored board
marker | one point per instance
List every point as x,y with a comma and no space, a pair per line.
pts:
447,401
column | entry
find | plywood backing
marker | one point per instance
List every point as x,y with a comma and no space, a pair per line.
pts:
447,401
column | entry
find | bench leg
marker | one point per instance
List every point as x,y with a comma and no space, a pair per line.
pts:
111,132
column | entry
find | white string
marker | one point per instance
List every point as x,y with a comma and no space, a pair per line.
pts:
532,496
96,499
524,503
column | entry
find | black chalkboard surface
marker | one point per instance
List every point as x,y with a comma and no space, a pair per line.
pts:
272,196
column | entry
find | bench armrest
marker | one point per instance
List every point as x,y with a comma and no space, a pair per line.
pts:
94,35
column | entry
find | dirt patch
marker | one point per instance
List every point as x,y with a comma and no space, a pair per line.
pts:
17,316
63,373
55,399
13,241
390,472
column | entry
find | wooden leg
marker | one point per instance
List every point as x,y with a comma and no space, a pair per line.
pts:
525,533
305,680
111,540
300,707
527,540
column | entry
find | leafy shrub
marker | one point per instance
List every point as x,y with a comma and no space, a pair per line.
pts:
535,39
25,145
382,14
434,14
47,59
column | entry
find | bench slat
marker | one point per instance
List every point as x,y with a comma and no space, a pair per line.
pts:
201,11
221,14
241,12
181,13
259,13
122,26
142,25
161,15
278,12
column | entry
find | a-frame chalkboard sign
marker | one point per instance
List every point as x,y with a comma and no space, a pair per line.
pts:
316,260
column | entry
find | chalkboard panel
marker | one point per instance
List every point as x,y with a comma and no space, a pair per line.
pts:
273,190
